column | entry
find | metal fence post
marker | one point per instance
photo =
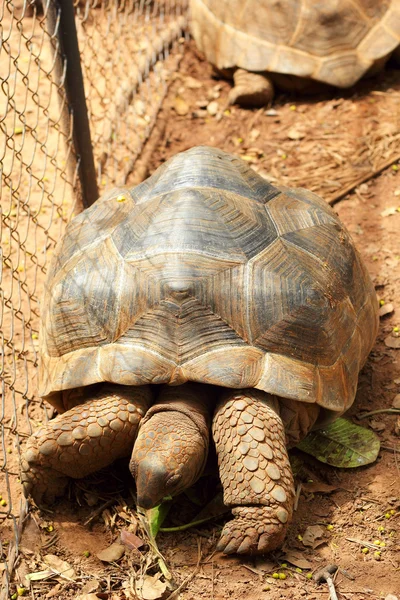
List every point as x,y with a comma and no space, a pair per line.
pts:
61,21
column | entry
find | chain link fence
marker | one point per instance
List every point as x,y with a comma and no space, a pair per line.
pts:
129,50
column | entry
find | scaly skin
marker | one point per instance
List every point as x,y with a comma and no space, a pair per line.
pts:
83,440
172,445
254,470
251,90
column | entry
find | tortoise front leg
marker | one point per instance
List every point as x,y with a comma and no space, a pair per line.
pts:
254,470
83,440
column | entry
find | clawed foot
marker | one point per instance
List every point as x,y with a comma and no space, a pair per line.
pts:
253,531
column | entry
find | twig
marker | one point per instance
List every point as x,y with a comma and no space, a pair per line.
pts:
192,575
367,544
370,175
296,500
13,550
99,510
394,411
389,449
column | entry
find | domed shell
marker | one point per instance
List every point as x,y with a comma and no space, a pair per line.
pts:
335,41
206,272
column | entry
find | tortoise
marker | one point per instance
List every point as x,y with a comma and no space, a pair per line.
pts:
202,298
334,42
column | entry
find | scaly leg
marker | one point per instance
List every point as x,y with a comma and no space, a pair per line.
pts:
83,440
254,469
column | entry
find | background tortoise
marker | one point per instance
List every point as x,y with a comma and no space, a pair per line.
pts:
203,273
334,42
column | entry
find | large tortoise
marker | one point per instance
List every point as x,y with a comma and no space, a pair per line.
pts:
203,294
334,42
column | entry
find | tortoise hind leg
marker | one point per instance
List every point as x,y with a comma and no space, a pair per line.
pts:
83,440
251,90
254,469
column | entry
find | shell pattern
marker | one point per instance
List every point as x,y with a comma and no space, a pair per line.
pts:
206,272
332,41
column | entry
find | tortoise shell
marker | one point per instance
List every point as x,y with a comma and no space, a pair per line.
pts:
335,42
206,272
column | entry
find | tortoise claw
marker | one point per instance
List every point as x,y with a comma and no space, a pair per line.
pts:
244,535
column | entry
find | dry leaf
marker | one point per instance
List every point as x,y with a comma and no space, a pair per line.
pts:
254,135
297,559
213,108
152,588
192,83
318,486
60,567
377,425
92,596
312,536
181,106
264,564
112,553
131,540
392,342
396,401
388,211
55,591
296,133
386,309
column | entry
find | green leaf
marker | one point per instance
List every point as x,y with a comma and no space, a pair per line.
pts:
156,516
215,508
342,444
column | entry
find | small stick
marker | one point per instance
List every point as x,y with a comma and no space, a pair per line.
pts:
99,510
370,175
393,411
192,575
324,576
296,500
366,544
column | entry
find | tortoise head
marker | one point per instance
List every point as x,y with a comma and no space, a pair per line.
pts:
169,455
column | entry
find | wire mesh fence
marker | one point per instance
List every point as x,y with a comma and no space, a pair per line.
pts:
128,51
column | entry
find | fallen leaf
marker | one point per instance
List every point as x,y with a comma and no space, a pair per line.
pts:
264,564
213,108
389,211
318,486
312,536
254,134
392,342
192,83
131,540
55,591
92,596
181,107
396,401
39,575
377,425
59,566
90,586
112,553
152,588
297,559
296,134
386,309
